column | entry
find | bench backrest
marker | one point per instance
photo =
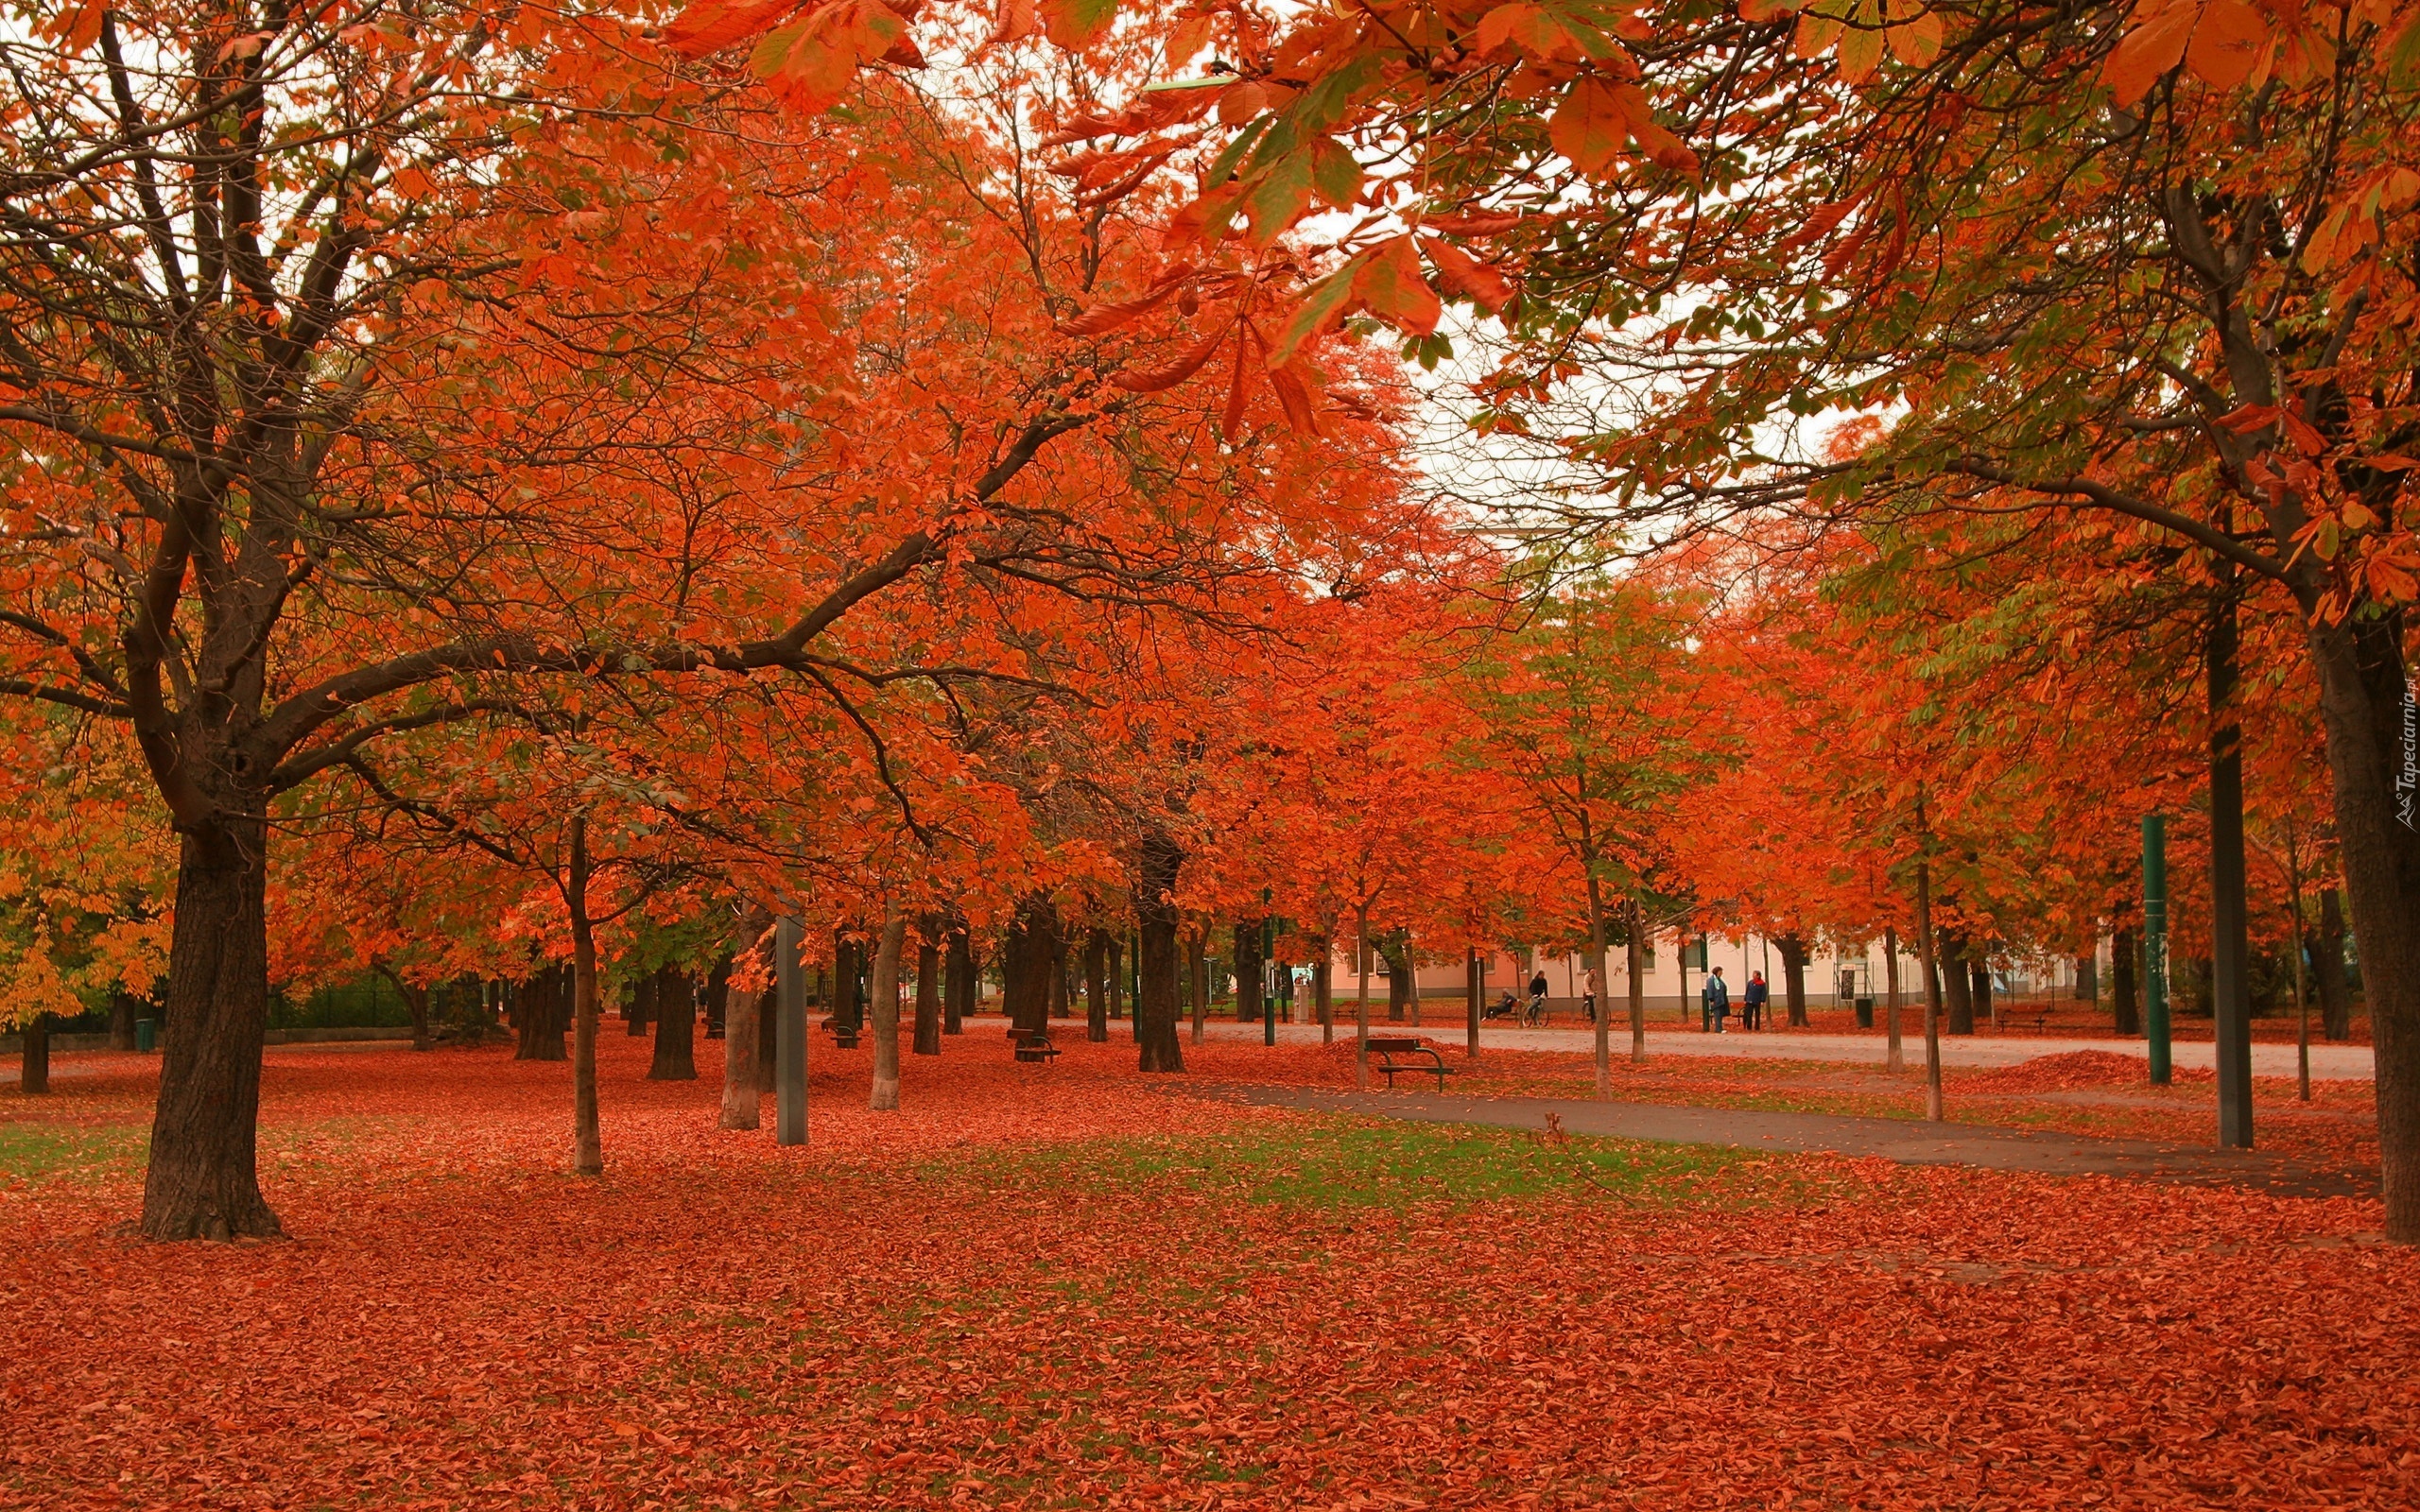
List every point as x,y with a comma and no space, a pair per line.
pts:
1396,1044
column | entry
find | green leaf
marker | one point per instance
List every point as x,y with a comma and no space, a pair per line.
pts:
1320,302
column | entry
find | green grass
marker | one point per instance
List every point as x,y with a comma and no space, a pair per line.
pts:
1343,1164
33,1152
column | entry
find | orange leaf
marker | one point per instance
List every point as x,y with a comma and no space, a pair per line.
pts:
2153,45
1484,284
1391,286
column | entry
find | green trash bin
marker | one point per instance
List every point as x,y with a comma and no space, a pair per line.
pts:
1865,1013
146,1034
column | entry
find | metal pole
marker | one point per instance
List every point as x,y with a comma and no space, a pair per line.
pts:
2155,946
790,1036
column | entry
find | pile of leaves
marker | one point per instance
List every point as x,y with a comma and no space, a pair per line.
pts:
1062,1286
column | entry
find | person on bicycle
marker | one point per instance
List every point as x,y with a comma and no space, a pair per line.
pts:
1538,997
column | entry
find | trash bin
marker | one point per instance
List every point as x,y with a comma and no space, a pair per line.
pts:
1865,1013
146,1034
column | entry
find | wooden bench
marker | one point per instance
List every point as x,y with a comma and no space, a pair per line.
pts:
1036,1048
843,1035
1387,1050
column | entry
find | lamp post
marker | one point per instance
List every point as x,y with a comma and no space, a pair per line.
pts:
2155,1029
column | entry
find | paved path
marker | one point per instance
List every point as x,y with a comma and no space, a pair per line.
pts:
1905,1141
2328,1062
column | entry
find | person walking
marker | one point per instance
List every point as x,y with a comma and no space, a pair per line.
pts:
1751,1001
1717,1001
1593,991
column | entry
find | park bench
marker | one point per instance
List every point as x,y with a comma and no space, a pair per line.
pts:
1387,1050
843,1035
1034,1047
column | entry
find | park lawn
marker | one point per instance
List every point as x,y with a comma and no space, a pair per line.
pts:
1069,1287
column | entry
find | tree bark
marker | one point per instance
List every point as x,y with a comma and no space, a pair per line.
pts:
202,1181
1197,976
885,1095
742,1077
122,1018
1158,861
1116,974
1247,958
957,997
1061,995
415,1002
2367,699
2088,979
1097,985
1635,960
847,959
1602,1009
1956,983
1793,976
1322,986
928,986
1394,951
675,1028
768,1031
587,1145
1897,1059
2328,963
1924,936
1980,973
1361,1002
33,1069
638,1015
1027,971
2125,1003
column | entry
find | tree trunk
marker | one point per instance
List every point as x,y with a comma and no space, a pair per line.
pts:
768,1032
847,957
1097,985
1027,958
587,1145
928,986
1635,960
675,1028
1197,971
638,1014
1980,972
33,1071
1400,985
2088,980
1601,1010
885,1095
1956,983
1116,974
2125,1005
121,1018
1322,987
1158,862
1924,937
1472,1005
1897,1059
743,1078
957,970
1361,1002
2327,962
1793,978
712,1000
202,1181
1248,996
2366,696
415,1002
1062,996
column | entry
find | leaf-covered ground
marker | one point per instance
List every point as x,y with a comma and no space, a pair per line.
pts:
1064,1287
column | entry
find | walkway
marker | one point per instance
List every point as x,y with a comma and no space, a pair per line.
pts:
2328,1062
1907,1142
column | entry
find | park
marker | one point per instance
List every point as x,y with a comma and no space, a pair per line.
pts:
1060,754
